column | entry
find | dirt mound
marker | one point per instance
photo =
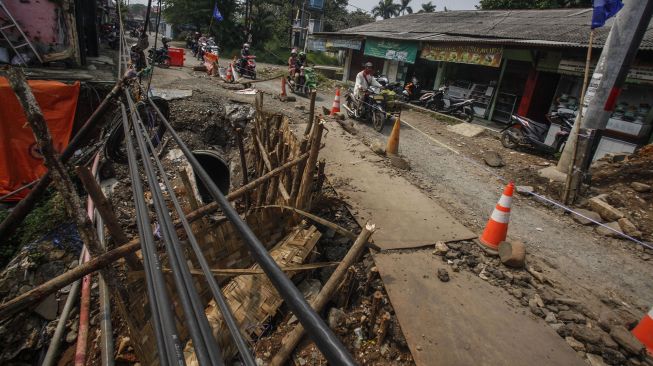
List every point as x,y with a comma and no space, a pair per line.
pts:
637,167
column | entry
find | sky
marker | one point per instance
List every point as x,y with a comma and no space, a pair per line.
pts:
417,4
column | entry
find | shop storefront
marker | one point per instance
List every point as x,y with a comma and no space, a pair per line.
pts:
631,122
390,57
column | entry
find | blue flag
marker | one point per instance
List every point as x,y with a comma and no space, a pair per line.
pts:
216,13
604,10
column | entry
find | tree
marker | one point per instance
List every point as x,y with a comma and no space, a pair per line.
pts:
533,4
405,8
428,8
386,9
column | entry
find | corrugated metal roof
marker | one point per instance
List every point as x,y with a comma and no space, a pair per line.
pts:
553,27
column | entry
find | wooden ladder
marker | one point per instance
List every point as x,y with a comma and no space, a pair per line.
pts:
22,41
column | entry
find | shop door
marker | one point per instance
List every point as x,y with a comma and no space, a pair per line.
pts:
542,96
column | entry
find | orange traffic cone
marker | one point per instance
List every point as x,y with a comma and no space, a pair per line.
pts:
644,331
335,107
497,226
393,140
283,87
230,74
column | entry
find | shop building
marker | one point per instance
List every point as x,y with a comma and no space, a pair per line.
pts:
525,62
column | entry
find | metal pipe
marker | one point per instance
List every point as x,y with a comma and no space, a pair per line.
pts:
169,346
85,299
330,346
227,314
206,349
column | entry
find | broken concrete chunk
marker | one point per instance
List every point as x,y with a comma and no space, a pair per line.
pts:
574,344
627,341
336,318
525,190
441,248
607,232
378,147
587,213
595,360
493,159
640,187
48,308
609,213
512,254
443,275
399,162
629,228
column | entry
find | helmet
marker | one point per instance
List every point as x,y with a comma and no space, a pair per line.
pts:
135,48
293,51
165,39
302,55
382,80
245,45
368,64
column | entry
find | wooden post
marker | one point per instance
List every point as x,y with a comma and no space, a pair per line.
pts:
377,300
292,339
105,209
371,275
297,177
243,161
383,328
320,175
268,165
311,114
303,196
346,287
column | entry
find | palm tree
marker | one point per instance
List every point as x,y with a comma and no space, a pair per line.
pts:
427,8
405,8
386,9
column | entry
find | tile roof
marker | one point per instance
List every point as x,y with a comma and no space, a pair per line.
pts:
552,27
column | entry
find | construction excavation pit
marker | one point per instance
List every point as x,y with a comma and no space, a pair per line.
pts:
280,198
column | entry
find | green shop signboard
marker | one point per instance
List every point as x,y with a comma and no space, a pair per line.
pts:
391,50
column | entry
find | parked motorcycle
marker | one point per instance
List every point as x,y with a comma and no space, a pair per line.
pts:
523,131
412,90
307,81
460,108
378,107
247,67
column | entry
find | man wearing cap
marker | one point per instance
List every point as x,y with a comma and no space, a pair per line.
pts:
364,80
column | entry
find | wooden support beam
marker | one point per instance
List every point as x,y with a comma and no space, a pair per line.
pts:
291,340
303,196
243,161
105,209
268,164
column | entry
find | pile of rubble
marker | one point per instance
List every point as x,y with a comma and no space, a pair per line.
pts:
602,339
625,196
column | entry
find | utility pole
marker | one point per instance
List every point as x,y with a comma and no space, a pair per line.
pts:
604,88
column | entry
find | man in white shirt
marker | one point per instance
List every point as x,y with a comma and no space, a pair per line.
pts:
364,80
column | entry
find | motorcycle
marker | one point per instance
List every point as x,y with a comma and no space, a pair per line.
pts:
159,56
109,33
209,46
460,108
247,67
412,90
378,106
306,83
523,131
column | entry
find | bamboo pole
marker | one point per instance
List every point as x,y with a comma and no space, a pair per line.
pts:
243,161
303,196
567,195
268,164
105,209
292,339
311,114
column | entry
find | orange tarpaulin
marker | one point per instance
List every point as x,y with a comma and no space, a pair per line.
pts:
20,159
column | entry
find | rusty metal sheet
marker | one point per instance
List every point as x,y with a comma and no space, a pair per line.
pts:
404,215
465,321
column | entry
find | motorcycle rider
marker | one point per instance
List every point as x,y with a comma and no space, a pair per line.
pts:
291,62
244,53
299,63
364,80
